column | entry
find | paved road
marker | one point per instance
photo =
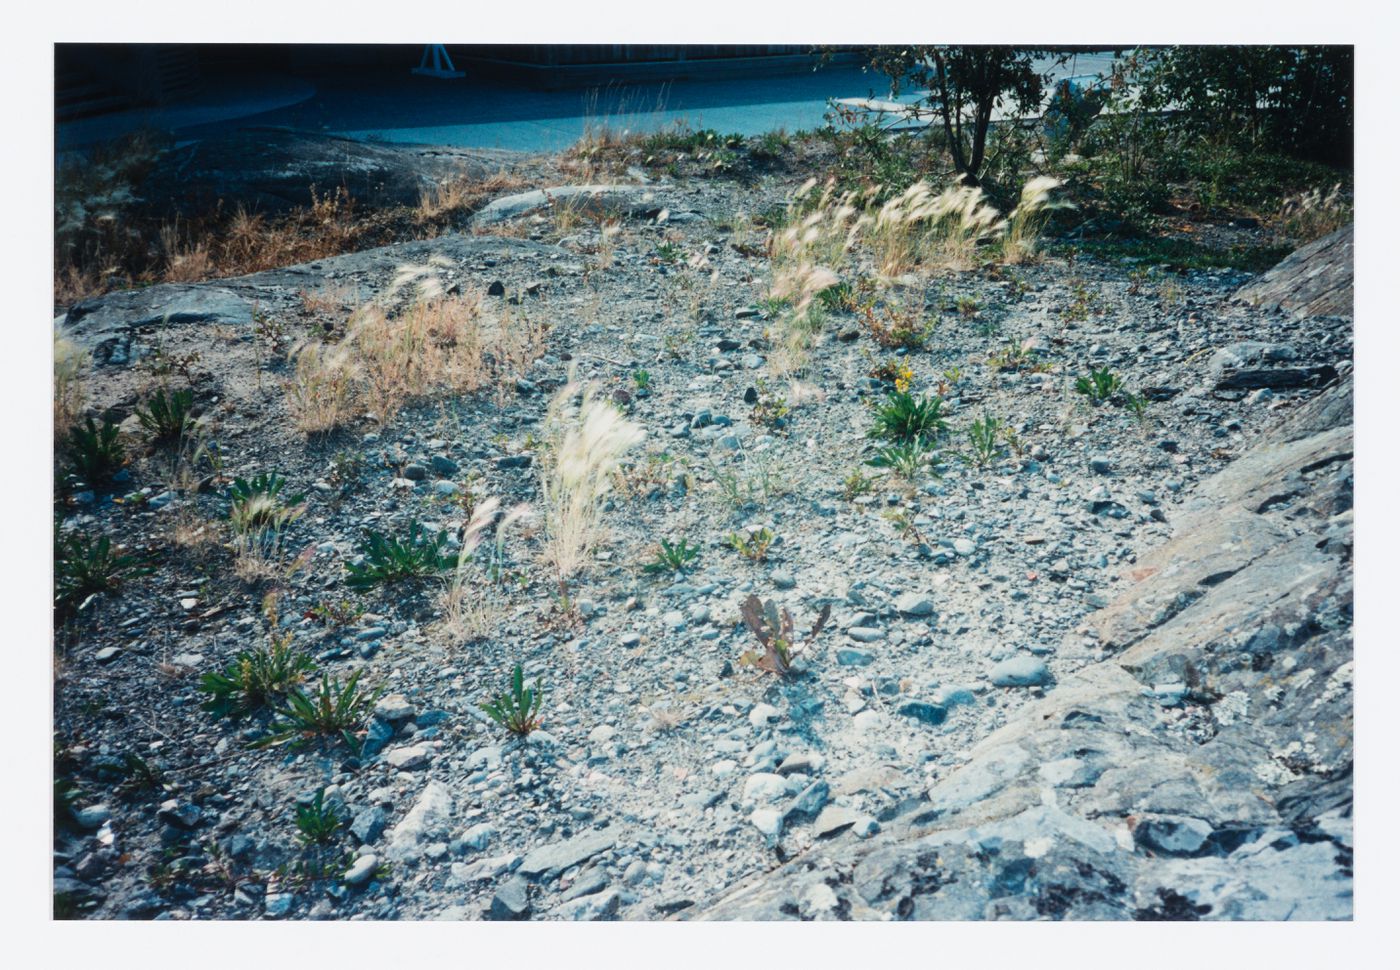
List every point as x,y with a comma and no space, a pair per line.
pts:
468,112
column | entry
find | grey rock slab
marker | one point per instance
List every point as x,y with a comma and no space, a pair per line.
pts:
427,821
571,852
914,604
630,199
466,873
512,900
361,870
590,908
1019,671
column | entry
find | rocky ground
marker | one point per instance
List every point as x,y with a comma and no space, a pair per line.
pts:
1039,694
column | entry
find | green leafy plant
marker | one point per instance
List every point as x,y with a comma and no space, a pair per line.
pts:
390,560
95,453
1015,357
518,711
167,417
897,327
773,628
983,435
1099,386
317,822
256,679
837,297
1137,403
906,417
675,558
331,710
754,545
669,253
641,379
906,459
84,566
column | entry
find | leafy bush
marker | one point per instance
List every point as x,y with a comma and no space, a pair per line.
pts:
332,710
905,459
673,558
95,454
773,630
1099,386
84,566
166,418
519,710
754,545
389,560
317,822
896,327
983,436
856,484
256,679
905,417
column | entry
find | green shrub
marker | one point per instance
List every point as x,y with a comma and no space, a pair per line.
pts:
519,710
331,710
673,558
167,418
389,560
983,436
906,417
84,566
317,822
95,454
906,459
753,546
256,505
1099,386
256,679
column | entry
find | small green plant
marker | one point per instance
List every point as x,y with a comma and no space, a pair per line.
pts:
641,379
675,558
317,822
669,253
95,453
895,372
1099,386
1085,301
167,417
967,306
771,408
837,297
256,679
983,435
519,710
773,628
84,566
140,776
389,560
331,710
857,483
906,459
1016,357
336,613
1138,404
905,417
754,545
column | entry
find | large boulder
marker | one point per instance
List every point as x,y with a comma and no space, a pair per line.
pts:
1316,280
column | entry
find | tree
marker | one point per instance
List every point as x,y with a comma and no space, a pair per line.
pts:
965,85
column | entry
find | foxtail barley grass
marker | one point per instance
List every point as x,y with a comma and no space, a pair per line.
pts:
69,395
1027,221
1312,215
468,609
322,396
585,445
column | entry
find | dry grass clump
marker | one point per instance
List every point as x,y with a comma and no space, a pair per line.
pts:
1027,221
1312,215
321,396
585,444
69,393
461,193
918,226
472,598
